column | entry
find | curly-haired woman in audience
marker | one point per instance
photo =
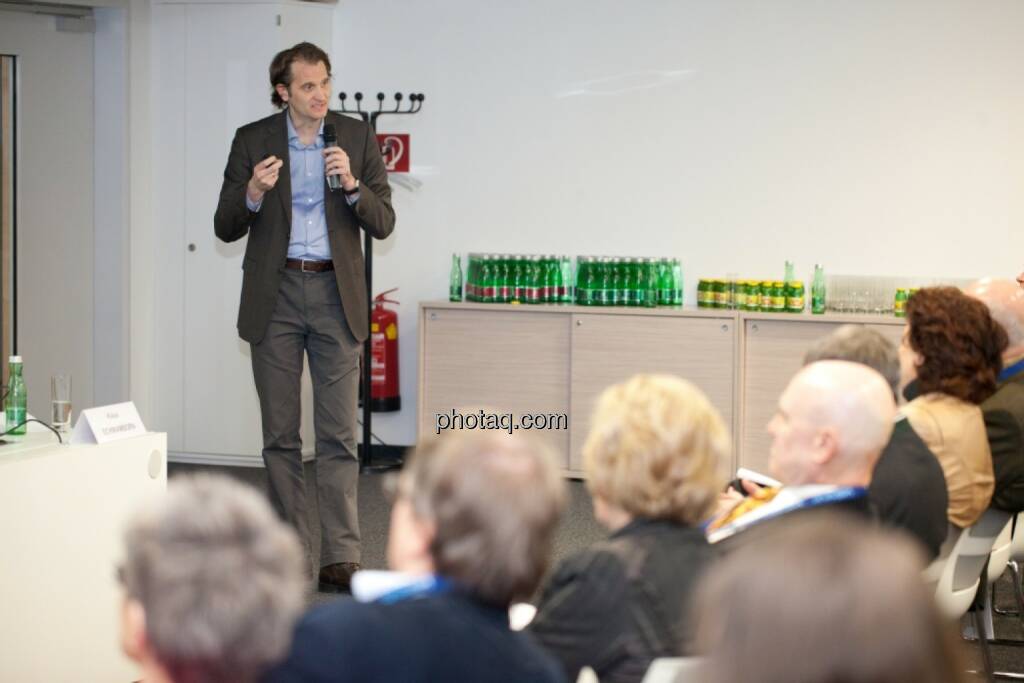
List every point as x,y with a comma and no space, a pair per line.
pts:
652,461
950,358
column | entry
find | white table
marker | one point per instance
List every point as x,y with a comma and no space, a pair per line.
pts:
62,514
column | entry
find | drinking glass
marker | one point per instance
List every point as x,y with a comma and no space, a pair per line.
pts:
60,401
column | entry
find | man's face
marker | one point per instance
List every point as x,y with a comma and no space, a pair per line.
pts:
309,92
409,538
793,449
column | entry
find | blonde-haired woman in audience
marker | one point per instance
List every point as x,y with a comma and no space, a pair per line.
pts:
653,462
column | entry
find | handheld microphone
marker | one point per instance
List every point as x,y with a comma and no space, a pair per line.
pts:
331,140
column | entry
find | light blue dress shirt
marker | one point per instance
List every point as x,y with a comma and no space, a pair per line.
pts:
308,239
309,222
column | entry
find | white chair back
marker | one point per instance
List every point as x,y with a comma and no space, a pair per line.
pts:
1000,555
1017,544
961,572
933,572
674,670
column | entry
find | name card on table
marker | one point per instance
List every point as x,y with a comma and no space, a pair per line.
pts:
108,423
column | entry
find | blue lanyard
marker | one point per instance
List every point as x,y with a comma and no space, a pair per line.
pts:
430,585
1009,372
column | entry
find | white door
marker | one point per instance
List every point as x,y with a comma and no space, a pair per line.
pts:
227,52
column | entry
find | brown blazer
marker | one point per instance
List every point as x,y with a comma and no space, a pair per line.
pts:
955,432
269,228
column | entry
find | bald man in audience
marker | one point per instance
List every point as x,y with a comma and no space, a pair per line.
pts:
908,487
832,422
1004,410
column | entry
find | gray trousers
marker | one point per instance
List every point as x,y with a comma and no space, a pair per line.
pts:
308,318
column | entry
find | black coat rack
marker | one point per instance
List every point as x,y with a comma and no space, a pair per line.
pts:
414,104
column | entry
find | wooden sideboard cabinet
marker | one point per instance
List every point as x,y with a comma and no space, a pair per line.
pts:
556,360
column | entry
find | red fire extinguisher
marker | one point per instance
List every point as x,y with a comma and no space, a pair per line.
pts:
384,393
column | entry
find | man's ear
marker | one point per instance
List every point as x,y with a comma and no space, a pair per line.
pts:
282,91
826,446
426,532
133,629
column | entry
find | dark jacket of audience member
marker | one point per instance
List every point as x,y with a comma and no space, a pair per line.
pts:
652,460
447,637
908,489
1004,423
620,604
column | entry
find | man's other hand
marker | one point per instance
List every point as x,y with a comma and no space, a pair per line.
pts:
264,177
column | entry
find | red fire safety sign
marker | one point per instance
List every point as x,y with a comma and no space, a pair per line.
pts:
394,147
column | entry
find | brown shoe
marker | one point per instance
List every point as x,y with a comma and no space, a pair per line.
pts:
337,578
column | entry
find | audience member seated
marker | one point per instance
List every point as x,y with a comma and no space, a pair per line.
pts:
832,422
471,532
908,489
1004,410
213,584
653,461
949,361
826,599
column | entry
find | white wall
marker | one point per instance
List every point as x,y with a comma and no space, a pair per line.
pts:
874,137
55,204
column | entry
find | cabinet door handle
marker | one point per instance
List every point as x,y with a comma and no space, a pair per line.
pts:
433,316
725,328
191,246
579,322
753,327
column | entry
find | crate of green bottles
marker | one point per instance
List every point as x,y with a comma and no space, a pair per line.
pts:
519,278
766,296
628,281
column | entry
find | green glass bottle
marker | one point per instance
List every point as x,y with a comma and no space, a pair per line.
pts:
677,282
899,304
702,293
455,279
487,279
649,283
795,297
566,294
818,291
16,404
664,282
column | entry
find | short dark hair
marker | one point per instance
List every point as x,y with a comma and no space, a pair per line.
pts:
959,342
281,67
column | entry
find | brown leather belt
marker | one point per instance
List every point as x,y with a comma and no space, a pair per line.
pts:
308,266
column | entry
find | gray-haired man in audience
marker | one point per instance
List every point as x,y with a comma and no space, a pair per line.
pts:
213,584
908,488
